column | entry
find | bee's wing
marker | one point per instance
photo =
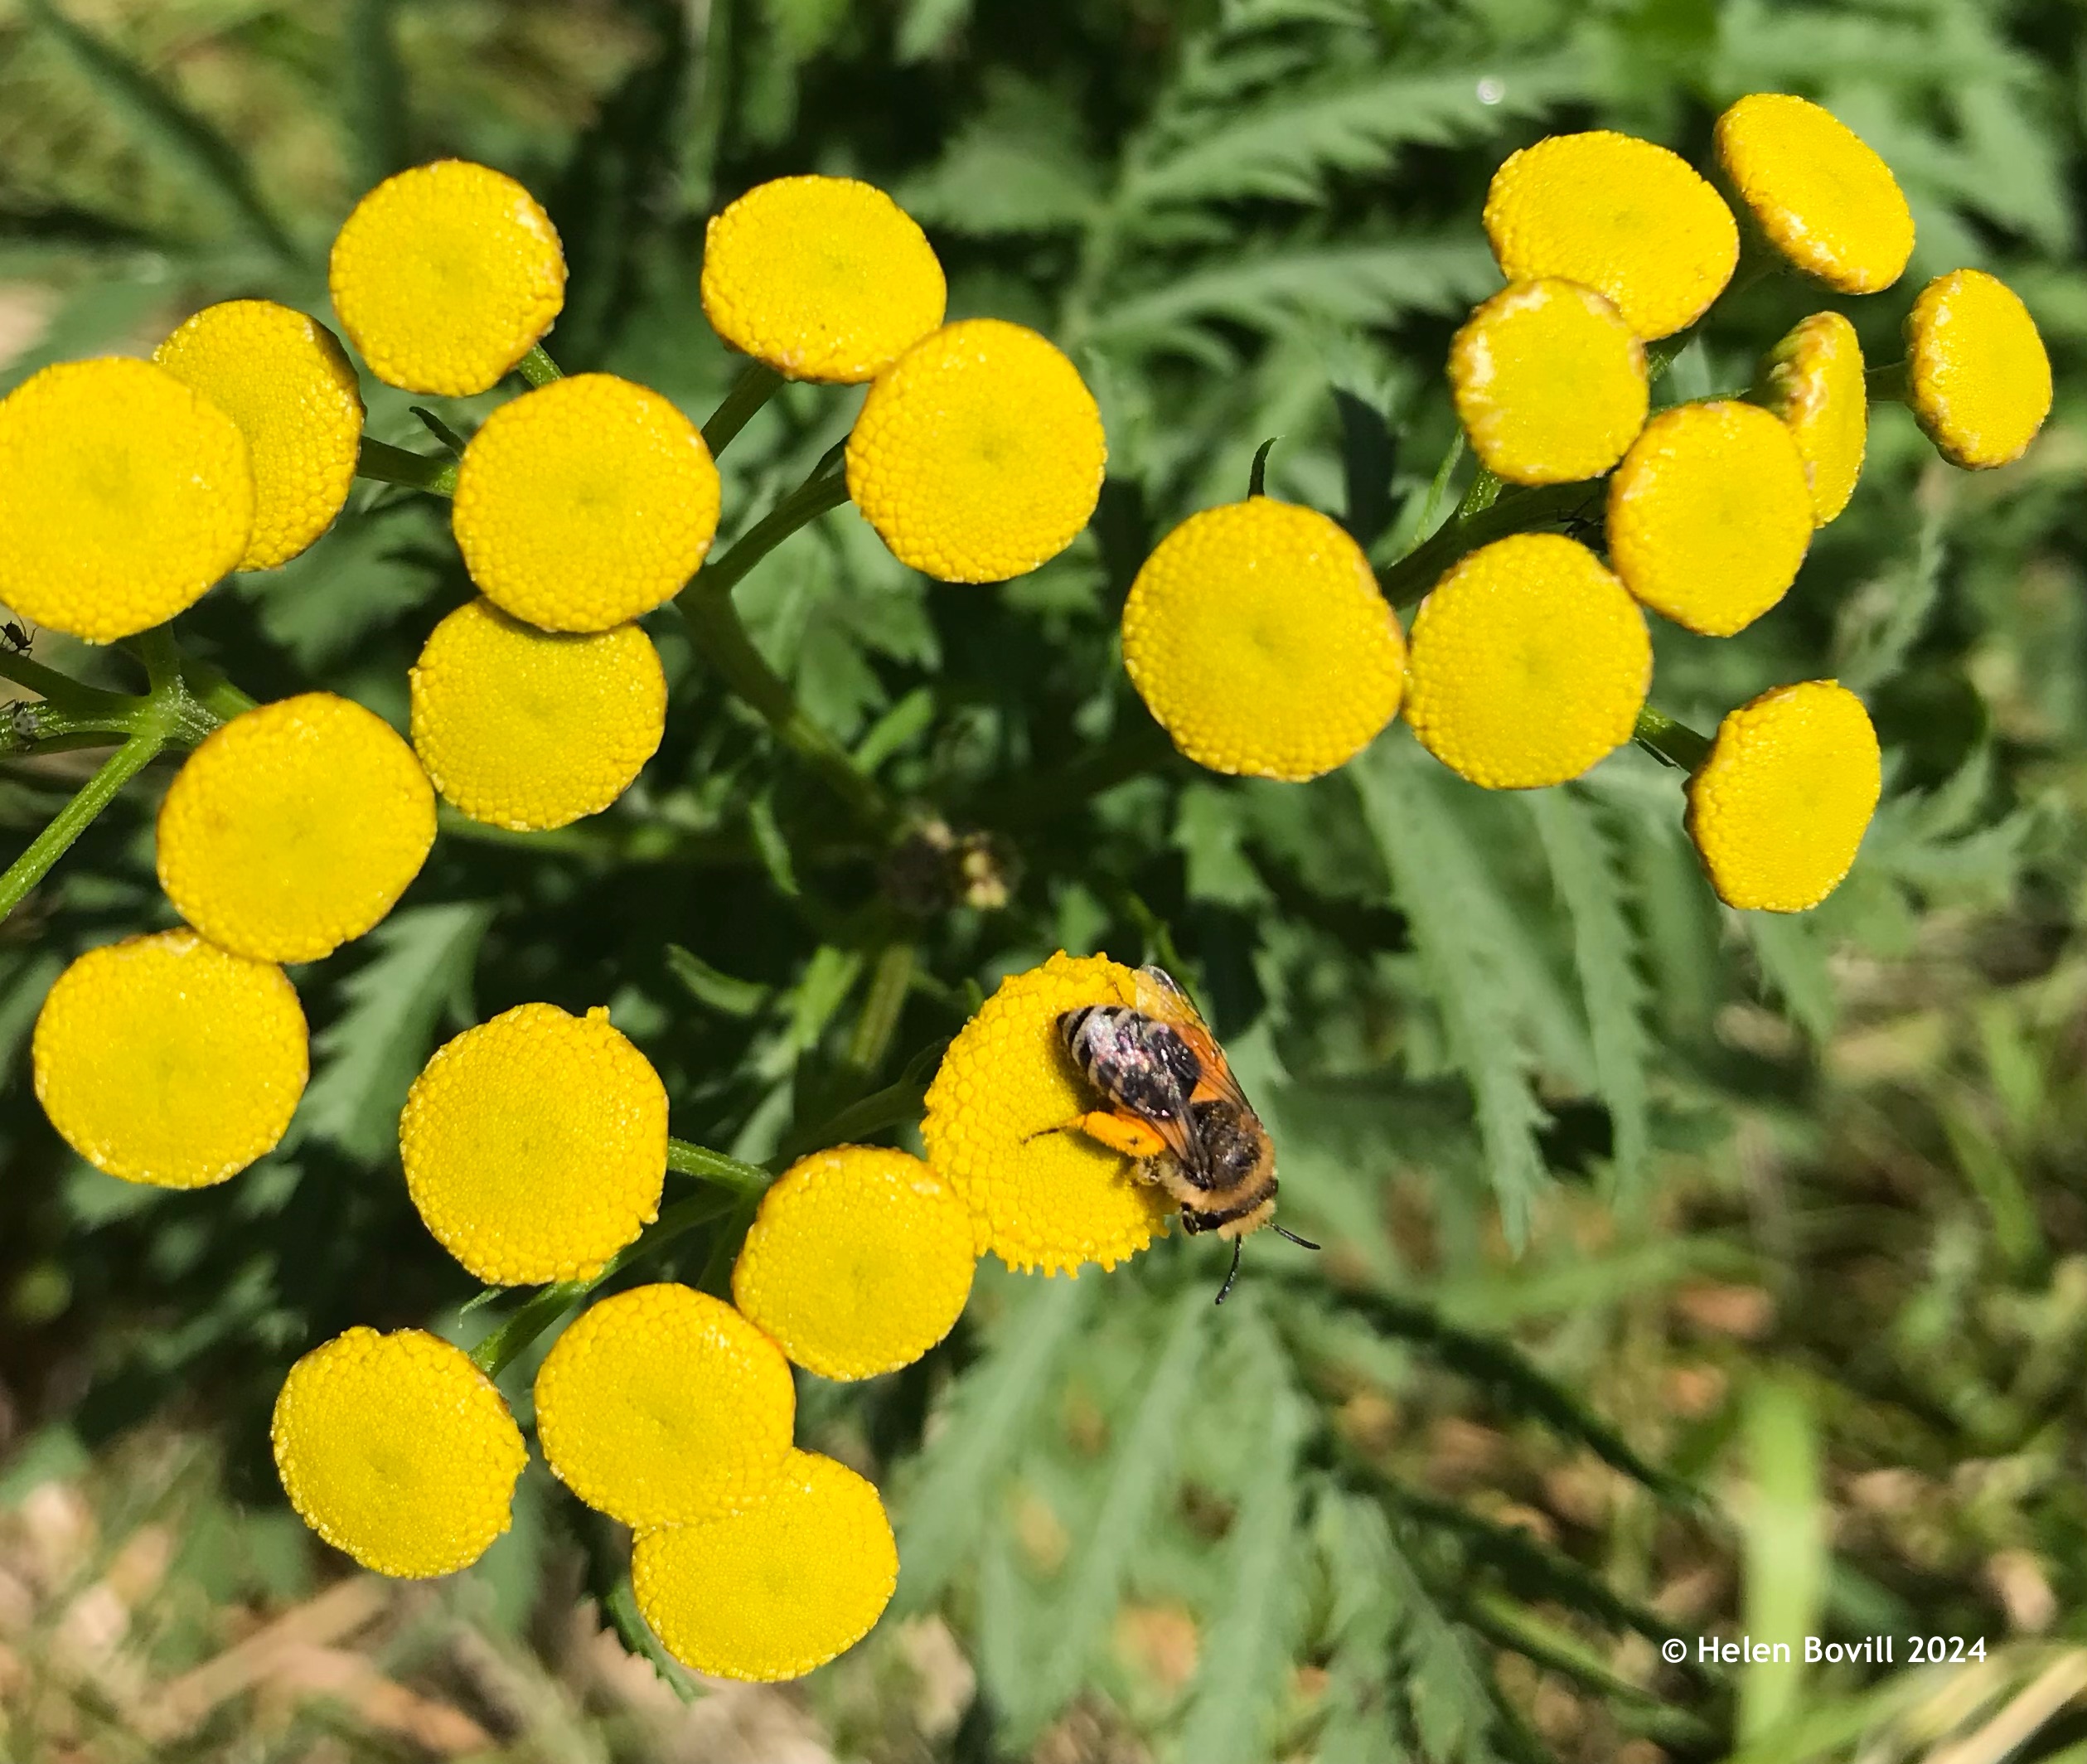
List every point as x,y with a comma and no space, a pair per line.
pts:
1160,995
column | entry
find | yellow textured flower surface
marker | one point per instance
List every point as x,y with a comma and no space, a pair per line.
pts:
663,1406
294,828
1978,376
399,1451
1710,515
584,503
535,1145
1780,807
164,1059
1622,215
1813,381
1257,638
978,454
772,1593
284,380
124,497
445,276
1530,662
821,277
1549,381
528,728
1039,1198
1818,193
859,1261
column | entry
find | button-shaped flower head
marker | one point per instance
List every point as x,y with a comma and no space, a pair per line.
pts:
859,1262
584,503
124,497
1039,1198
1530,662
821,277
1813,380
773,1593
535,1145
1620,215
284,380
1779,808
663,1406
398,1450
1818,193
978,454
1549,381
294,828
527,729
1257,637
445,276
1978,376
1710,515
164,1059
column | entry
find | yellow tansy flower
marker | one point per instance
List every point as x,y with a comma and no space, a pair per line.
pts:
283,379
858,1263
535,1146
1257,636
1621,215
294,828
528,728
165,1060
1710,514
445,276
978,454
399,1451
1813,381
1779,808
124,497
773,1593
1819,195
821,277
1978,376
1039,1198
584,503
1530,662
1550,383
663,1406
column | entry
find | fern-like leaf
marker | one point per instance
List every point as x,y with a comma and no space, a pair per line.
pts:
1406,823
1604,952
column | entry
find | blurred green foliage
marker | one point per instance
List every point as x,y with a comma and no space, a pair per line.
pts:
1404,1494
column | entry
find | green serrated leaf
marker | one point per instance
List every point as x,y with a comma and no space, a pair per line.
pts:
713,986
1605,953
1791,953
1477,1012
368,1057
990,1414
1139,1468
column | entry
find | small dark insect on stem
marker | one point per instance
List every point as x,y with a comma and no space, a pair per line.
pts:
17,636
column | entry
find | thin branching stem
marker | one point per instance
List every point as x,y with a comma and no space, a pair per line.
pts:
1513,510
538,368
1674,743
756,384
433,473
74,818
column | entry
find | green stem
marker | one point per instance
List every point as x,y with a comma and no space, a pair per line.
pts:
498,1350
395,465
756,384
538,368
1483,491
1515,511
212,690
721,639
63,691
715,1167
825,488
889,982
1675,743
155,648
73,819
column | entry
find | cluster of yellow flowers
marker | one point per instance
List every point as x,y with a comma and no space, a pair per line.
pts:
1255,632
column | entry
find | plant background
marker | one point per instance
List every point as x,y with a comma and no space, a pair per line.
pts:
1793,1341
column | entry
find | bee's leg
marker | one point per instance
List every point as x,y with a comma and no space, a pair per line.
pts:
1124,1133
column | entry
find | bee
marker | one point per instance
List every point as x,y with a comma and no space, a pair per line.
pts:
1174,1106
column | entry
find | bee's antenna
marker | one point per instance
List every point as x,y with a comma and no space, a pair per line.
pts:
1232,1274
1301,1243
